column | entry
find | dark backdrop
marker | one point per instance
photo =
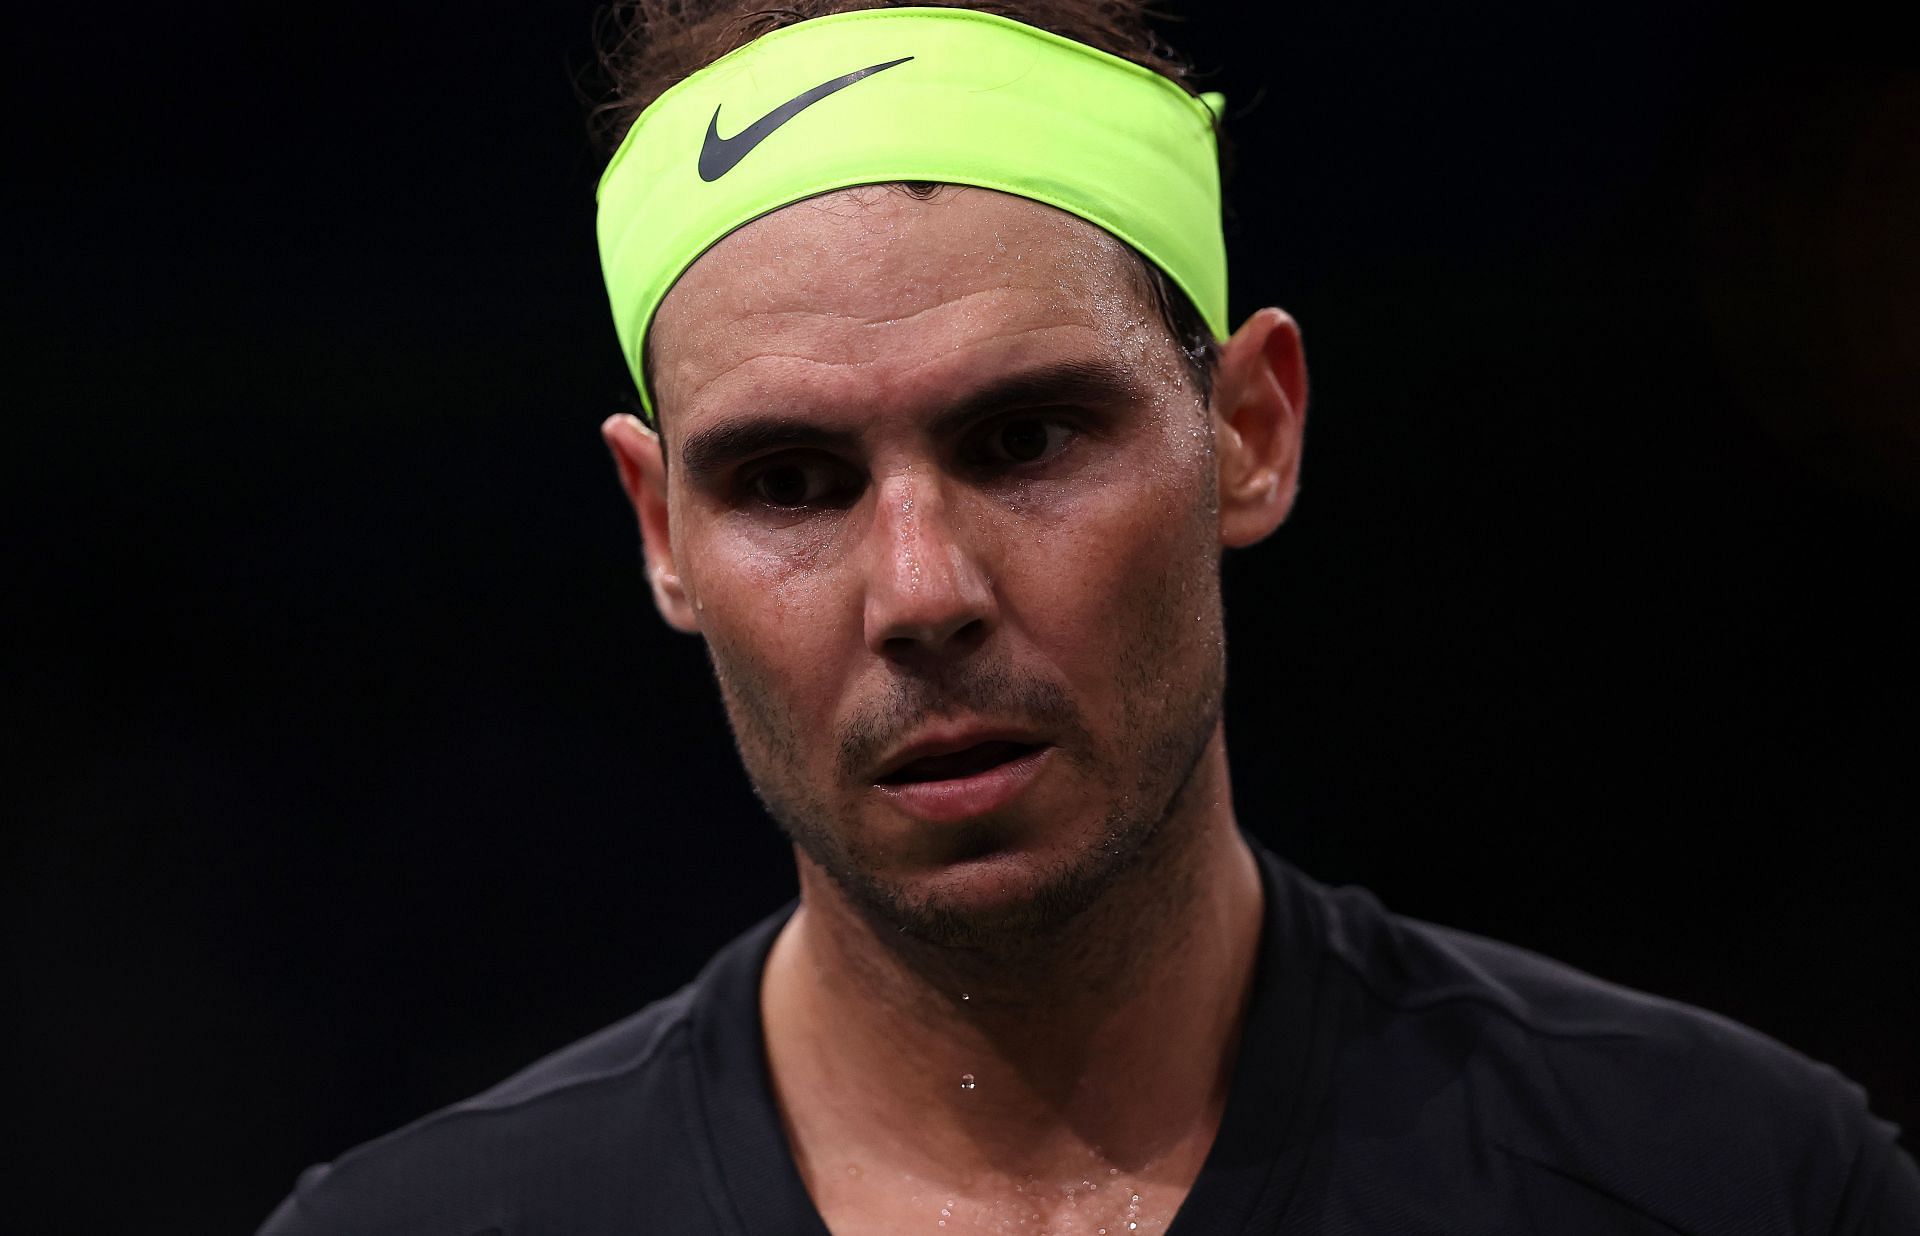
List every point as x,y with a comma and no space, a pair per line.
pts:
349,768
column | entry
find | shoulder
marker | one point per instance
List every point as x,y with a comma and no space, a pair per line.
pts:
611,1134
1668,1109
580,1114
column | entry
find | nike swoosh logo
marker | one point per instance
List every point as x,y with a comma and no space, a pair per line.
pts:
719,155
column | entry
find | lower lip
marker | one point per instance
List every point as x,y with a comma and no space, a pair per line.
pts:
963,798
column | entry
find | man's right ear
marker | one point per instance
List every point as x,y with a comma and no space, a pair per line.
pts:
643,474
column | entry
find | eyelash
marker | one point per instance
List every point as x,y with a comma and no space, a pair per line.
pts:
751,477
1061,431
1051,423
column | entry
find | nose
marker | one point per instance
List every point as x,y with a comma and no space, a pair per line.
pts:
927,591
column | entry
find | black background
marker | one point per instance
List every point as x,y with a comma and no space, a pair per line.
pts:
349,768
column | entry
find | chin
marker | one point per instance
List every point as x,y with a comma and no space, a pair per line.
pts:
985,893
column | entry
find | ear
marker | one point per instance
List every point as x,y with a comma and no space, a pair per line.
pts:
643,474
1260,417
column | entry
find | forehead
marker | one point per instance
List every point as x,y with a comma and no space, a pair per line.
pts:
872,296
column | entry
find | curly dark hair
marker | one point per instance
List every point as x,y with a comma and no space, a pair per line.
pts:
648,45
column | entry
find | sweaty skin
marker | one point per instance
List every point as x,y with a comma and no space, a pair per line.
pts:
934,480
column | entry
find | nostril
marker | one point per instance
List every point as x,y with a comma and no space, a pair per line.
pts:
972,634
966,635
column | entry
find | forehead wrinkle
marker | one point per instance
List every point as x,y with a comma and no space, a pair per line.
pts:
715,305
913,375
755,323
950,302
695,399
1044,312
827,336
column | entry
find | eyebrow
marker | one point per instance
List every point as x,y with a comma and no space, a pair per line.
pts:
710,451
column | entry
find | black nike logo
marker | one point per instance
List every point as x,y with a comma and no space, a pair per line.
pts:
719,155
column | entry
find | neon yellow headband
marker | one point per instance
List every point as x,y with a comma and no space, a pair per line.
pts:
880,95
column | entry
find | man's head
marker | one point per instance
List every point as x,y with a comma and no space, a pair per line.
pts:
943,494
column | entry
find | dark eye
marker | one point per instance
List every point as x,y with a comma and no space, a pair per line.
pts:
797,482
1021,440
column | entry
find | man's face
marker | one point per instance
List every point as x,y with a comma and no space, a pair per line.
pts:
942,503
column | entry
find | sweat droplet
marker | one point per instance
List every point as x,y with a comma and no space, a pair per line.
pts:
966,1081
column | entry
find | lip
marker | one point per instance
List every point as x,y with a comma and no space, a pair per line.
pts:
961,798
945,740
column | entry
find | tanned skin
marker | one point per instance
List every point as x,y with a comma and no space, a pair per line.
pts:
941,497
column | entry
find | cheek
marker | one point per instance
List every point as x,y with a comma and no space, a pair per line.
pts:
745,573
776,626
1122,567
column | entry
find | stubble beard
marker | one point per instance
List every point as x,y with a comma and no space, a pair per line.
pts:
1153,760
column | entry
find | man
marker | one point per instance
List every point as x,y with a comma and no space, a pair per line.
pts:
927,310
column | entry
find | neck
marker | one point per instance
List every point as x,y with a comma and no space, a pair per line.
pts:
1108,1048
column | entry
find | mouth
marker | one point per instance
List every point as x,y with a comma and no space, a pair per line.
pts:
955,781
968,761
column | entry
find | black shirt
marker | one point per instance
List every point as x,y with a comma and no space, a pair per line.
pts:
1394,1077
